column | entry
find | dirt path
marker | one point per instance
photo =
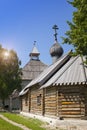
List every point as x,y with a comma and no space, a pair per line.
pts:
14,123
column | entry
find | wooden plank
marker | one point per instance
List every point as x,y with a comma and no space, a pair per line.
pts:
48,113
49,108
72,106
70,109
50,97
71,113
71,116
68,103
50,101
50,105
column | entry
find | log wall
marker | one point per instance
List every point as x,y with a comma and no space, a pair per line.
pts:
71,102
36,101
57,101
25,103
50,101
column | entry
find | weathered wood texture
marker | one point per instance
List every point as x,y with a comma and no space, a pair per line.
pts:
71,102
36,107
50,101
25,103
57,101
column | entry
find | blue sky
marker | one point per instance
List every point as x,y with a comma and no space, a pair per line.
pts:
24,21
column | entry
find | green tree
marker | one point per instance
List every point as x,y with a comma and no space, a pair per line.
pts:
77,35
10,73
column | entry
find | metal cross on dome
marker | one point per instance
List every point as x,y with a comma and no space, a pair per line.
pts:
34,43
55,27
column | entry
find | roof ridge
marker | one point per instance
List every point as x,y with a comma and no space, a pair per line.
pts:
61,72
58,65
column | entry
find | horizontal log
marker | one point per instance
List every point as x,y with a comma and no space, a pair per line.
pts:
35,110
71,113
66,103
50,96
50,110
49,102
72,106
71,109
71,116
48,113
36,105
50,105
33,100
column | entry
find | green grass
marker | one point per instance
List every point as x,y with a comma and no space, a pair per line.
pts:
31,123
7,126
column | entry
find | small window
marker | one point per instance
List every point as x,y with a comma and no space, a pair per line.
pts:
39,100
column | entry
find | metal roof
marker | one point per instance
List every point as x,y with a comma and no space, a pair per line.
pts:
35,50
73,72
23,92
67,70
49,71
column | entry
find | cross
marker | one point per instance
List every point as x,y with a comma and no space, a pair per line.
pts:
55,27
34,43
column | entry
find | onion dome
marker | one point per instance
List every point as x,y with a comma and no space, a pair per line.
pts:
56,50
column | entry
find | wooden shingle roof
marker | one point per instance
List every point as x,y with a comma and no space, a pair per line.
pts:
32,69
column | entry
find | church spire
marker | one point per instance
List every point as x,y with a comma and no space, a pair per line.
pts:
34,55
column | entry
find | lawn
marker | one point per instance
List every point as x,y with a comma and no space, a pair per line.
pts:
31,123
7,126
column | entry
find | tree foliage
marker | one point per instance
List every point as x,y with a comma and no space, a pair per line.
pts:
77,35
10,73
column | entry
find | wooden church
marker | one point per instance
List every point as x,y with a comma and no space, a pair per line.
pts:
31,70
60,91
